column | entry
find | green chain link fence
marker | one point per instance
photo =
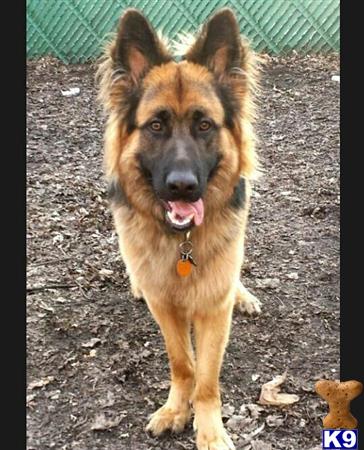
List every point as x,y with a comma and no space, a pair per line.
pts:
75,30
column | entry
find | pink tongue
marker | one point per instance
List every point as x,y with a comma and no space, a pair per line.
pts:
184,209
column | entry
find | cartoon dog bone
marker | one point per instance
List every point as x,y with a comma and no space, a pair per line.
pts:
338,395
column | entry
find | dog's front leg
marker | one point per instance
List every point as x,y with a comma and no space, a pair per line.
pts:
176,332
212,333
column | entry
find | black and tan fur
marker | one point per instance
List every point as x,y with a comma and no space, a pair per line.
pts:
217,78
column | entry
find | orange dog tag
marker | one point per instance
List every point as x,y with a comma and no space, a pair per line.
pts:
184,267
184,264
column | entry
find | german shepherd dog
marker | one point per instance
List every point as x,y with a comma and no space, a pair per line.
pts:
179,157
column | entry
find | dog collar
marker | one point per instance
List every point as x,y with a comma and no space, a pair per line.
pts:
185,262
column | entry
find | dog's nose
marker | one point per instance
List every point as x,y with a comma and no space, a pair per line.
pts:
182,184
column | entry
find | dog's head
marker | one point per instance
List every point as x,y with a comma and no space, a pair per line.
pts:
179,135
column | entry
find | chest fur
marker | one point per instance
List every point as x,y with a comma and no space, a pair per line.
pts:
151,258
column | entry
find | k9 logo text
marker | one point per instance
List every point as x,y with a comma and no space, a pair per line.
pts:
342,439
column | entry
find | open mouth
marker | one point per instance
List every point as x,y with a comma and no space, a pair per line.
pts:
183,215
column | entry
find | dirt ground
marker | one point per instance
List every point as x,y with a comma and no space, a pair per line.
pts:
96,363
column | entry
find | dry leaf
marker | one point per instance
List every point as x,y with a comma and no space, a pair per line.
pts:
71,92
267,283
53,395
274,421
103,423
46,307
247,437
227,410
254,410
237,422
30,398
270,393
91,354
106,272
91,343
41,383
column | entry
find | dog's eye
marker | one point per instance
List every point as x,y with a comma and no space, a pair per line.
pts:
156,125
204,125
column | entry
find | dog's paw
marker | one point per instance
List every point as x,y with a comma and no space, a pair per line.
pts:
250,306
247,303
167,419
211,434
136,292
214,439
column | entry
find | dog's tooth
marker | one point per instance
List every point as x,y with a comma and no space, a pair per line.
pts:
177,220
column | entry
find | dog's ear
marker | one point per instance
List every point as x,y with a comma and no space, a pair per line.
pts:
218,46
137,48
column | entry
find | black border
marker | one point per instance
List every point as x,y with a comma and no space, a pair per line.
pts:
352,224
13,222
